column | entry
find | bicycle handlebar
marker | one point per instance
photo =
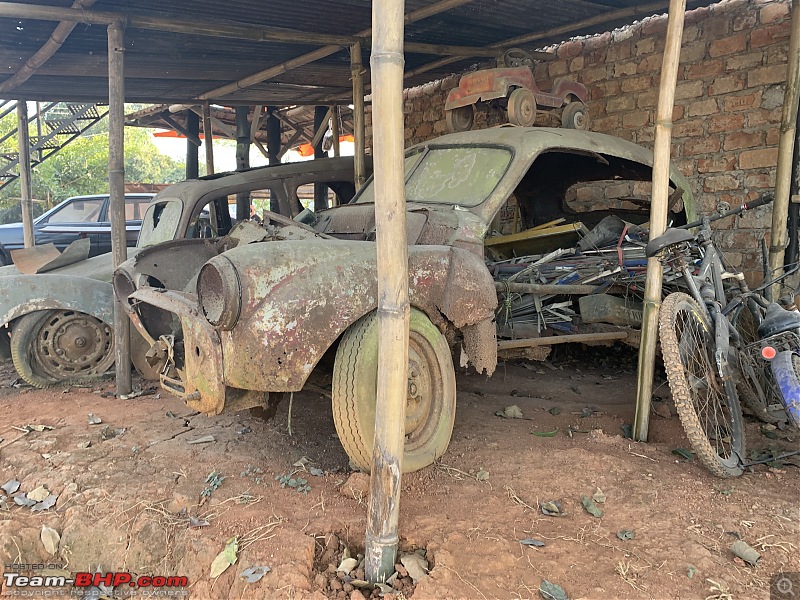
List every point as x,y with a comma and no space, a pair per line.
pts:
762,200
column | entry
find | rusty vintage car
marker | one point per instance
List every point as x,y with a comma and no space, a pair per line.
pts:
268,306
56,325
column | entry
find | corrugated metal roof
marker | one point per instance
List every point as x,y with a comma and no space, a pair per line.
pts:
168,67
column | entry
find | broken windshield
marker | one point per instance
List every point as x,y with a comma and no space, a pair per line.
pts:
160,222
462,175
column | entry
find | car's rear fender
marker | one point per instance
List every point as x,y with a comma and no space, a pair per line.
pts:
299,297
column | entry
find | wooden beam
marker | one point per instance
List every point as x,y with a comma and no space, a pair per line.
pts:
215,28
181,129
783,176
335,131
437,7
357,71
116,202
577,338
658,215
208,139
393,305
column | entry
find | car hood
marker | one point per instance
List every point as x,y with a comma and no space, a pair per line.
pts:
98,267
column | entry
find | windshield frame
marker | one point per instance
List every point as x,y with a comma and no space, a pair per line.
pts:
140,243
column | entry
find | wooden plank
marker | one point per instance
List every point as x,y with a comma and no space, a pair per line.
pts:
578,338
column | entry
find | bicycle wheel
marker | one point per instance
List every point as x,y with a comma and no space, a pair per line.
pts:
756,386
707,406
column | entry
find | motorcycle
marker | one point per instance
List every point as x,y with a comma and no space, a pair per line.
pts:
779,342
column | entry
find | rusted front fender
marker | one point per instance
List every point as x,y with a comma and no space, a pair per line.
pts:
22,294
299,297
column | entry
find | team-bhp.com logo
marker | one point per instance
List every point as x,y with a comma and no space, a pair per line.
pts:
29,581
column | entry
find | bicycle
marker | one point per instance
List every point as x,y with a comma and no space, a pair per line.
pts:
700,342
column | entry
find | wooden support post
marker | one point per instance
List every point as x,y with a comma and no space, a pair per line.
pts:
116,184
242,159
783,177
658,215
393,306
25,187
274,150
359,141
192,149
335,130
321,119
208,139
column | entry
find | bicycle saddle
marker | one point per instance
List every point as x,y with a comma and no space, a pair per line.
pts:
778,320
668,238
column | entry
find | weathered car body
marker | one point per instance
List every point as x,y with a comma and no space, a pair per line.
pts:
265,309
195,209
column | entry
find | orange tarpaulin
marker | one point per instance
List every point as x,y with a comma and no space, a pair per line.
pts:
175,134
308,149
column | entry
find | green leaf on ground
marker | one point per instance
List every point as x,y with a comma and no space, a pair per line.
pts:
591,507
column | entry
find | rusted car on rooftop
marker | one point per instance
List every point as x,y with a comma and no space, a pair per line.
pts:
265,309
57,325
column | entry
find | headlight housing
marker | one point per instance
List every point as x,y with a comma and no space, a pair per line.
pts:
219,293
124,286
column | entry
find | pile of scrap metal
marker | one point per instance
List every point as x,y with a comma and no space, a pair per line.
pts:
562,278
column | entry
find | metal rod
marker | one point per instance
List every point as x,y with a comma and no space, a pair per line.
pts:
24,144
359,140
393,306
608,336
116,185
658,216
208,139
783,176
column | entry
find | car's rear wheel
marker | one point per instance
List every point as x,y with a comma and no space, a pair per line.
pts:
431,392
460,119
522,107
56,347
575,116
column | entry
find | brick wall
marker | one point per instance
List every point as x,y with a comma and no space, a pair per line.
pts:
728,104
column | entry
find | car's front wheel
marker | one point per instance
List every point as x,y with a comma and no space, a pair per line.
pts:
56,347
430,393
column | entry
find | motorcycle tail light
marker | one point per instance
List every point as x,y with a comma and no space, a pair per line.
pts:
768,352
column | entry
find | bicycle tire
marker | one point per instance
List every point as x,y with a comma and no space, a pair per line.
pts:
687,345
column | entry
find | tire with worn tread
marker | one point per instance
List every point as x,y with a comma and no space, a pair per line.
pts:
431,392
29,334
688,387
575,116
460,119
521,107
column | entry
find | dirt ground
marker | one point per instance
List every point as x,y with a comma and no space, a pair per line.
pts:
125,501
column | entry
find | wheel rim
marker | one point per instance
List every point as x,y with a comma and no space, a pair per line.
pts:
70,344
522,107
460,119
708,393
425,386
578,119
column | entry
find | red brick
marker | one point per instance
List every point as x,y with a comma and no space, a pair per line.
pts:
624,68
716,165
773,137
677,112
756,118
605,89
647,99
691,89
708,68
725,123
651,64
718,25
692,54
758,159
540,71
592,75
697,15
766,36
759,180
691,128
747,21
726,85
645,46
636,119
619,51
645,136
718,183
637,84
625,134
774,12
737,103
766,75
620,103
570,49
690,33
706,145
608,124
424,130
598,43
729,45
557,68
576,64
747,60
702,108
654,26
740,139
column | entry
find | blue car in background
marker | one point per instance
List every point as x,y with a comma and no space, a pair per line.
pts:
75,218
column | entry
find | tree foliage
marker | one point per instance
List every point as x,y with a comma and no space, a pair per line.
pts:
81,167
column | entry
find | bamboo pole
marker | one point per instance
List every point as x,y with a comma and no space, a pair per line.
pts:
192,148
242,160
658,215
24,144
335,130
116,184
393,307
208,139
359,140
783,177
